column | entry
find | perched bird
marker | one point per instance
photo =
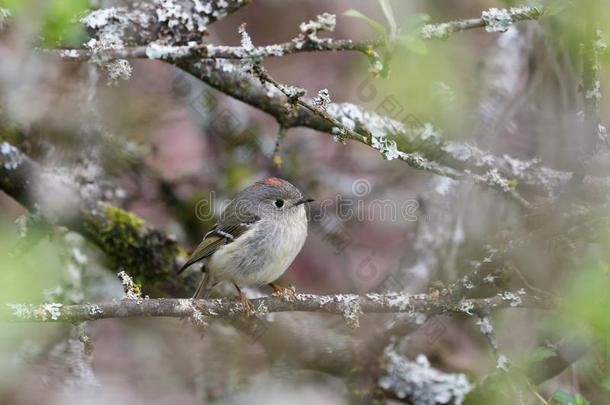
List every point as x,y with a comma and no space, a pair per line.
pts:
257,237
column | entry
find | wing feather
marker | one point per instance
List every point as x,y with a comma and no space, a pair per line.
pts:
218,236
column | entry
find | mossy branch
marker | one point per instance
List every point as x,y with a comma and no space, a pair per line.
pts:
146,253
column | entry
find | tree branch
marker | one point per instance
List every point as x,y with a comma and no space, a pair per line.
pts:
497,20
211,51
128,243
450,159
493,20
348,305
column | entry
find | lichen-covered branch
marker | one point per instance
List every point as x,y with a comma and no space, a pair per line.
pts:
128,243
392,138
425,150
388,147
493,20
419,382
348,305
209,51
379,132
164,31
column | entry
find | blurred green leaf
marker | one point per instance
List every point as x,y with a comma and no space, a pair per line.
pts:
606,384
540,353
414,23
414,44
22,280
58,19
60,26
563,398
377,26
557,6
587,302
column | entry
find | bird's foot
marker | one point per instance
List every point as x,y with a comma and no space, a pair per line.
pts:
289,293
247,304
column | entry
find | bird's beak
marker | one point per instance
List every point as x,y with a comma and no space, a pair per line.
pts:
303,201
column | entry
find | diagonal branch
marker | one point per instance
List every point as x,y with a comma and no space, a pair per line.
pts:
430,153
389,148
144,252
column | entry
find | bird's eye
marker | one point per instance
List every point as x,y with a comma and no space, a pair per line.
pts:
279,203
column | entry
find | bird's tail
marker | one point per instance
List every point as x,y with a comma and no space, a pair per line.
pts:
186,265
203,291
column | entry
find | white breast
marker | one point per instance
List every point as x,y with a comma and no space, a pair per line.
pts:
263,253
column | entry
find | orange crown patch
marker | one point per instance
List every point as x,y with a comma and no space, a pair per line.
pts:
272,181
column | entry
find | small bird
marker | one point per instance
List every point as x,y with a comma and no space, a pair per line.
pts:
259,234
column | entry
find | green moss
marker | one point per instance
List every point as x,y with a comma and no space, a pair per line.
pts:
121,218
131,246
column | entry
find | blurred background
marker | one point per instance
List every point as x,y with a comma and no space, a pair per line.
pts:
170,149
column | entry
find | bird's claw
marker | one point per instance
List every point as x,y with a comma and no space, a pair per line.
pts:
247,304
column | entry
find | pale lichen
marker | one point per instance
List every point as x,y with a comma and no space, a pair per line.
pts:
94,310
438,31
485,325
600,45
132,291
322,100
494,179
100,18
339,134
10,157
467,307
400,301
351,310
158,22
310,30
387,148
514,299
500,20
292,92
323,22
419,382
4,15
157,50
245,40
119,69
43,312
21,311
502,362
497,20
594,93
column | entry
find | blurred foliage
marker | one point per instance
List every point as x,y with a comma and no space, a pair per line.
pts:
21,281
57,19
563,398
23,277
424,85
586,314
586,303
407,37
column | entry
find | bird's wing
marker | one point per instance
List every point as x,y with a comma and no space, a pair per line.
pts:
221,234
